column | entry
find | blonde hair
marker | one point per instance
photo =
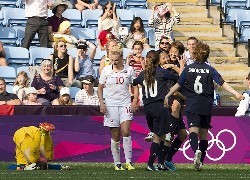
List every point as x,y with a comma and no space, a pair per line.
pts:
62,102
25,75
117,50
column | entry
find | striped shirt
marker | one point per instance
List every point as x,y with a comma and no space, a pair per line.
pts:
164,28
82,98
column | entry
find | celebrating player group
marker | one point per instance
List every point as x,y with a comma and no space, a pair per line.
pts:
167,83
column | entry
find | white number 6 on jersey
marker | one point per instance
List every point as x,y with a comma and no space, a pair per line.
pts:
197,85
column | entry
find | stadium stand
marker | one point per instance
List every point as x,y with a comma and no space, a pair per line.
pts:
144,14
126,16
17,56
39,53
73,91
84,33
135,3
74,16
8,36
98,55
20,31
72,52
25,69
90,17
13,17
8,73
10,3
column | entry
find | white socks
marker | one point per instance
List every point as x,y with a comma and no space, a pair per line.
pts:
115,149
127,146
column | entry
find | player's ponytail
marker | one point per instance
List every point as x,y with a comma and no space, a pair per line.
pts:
152,61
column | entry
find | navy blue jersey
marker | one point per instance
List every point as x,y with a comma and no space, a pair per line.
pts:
198,79
160,89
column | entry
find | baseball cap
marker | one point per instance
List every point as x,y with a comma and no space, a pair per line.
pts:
82,45
30,90
64,91
88,79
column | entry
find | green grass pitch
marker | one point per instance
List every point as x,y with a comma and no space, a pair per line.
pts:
106,171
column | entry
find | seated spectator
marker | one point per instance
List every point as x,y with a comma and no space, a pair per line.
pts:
3,61
105,61
31,97
47,83
244,104
165,43
62,63
21,82
64,98
137,33
109,12
88,95
5,97
58,26
86,4
106,34
83,64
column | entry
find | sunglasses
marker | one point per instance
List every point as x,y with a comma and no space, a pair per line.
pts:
63,45
164,43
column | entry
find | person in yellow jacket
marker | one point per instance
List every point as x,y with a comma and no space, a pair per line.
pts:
31,142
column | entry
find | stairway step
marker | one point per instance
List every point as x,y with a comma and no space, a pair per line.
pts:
205,38
191,11
196,20
198,31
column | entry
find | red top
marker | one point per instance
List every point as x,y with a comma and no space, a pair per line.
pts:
103,36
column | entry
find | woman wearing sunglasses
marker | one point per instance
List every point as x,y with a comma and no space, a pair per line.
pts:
62,63
165,43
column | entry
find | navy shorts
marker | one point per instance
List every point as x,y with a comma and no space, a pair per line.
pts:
197,120
157,118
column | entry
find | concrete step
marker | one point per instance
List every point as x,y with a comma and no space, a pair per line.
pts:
198,31
207,39
222,51
232,73
177,2
197,20
191,11
228,60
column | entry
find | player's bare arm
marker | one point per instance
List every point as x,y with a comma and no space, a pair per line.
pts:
175,88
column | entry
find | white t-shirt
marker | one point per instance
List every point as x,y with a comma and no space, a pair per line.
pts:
36,8
117,85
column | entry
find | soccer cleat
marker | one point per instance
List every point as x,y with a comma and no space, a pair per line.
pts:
130,166
118,167
168,137
197,160
170,165
149,137
161,167
151,168
65,167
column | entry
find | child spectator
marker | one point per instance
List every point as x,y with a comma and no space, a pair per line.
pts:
3,61
64,98
163,23
135,58
109,12
21,82
137,33
31,97
86,4
244,104
106,34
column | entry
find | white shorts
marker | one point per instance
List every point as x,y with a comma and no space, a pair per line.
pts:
116,115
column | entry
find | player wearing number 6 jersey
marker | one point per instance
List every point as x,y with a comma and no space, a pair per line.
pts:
199,78
154,82
117,110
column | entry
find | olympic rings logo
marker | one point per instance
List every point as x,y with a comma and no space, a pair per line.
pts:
214,140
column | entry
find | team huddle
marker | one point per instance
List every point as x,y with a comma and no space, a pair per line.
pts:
160,87
167,91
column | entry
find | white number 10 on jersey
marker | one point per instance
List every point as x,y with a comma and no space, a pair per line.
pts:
197,85
152,92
